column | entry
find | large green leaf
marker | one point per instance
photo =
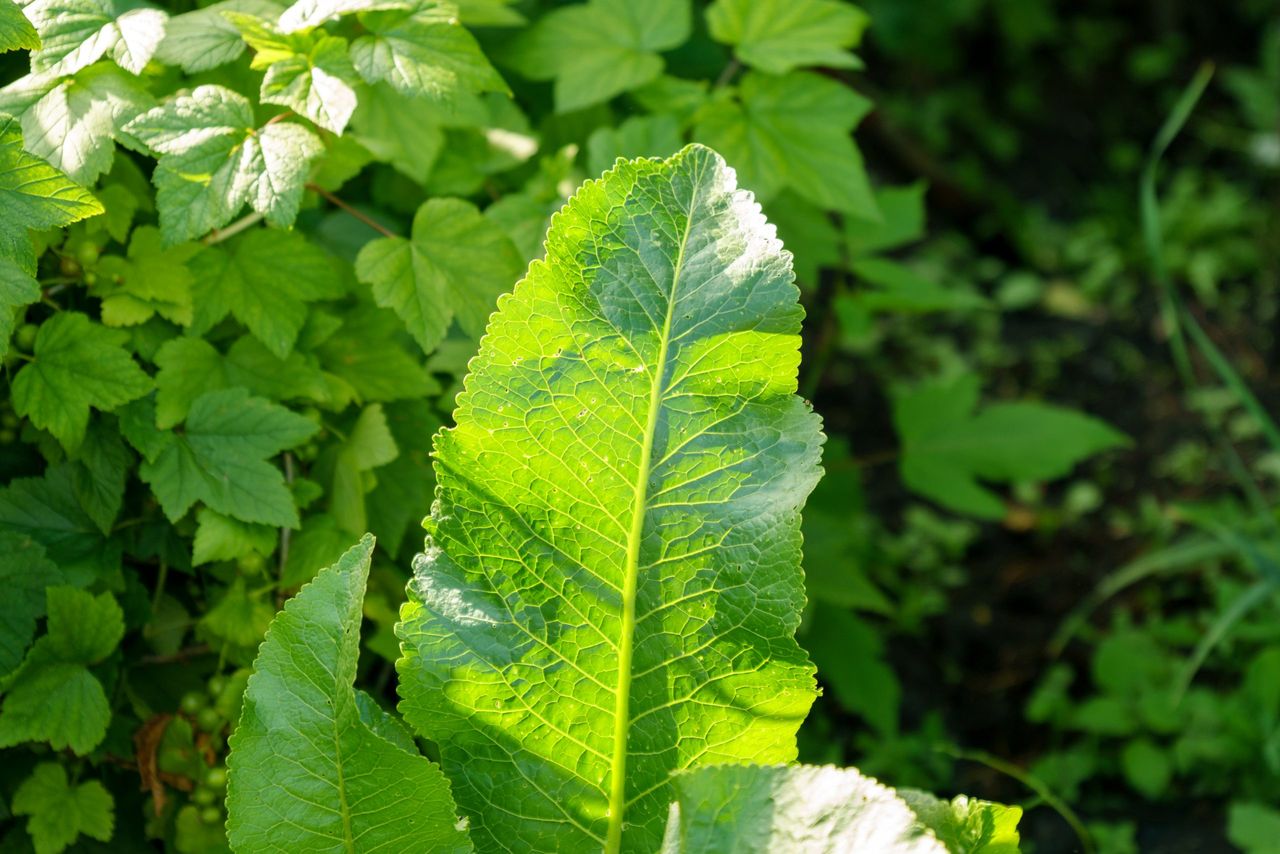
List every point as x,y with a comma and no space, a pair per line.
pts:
308,771
611,583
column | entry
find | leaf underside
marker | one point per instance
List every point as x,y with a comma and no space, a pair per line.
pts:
611,581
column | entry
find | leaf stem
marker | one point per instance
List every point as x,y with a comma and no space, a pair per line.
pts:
160,581
220,234
284,536
1033,783
337,202
730,71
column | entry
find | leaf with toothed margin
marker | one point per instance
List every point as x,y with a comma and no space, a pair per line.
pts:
315,767
611,583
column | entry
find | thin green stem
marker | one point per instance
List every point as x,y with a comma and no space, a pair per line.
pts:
1033,783
346,208
161,578
1149,204
726,77
220,234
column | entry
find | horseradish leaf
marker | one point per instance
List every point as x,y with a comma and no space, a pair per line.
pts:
611,582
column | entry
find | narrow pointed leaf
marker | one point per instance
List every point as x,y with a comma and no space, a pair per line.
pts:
611,582
306,772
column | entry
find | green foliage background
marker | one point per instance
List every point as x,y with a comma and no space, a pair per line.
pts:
246,250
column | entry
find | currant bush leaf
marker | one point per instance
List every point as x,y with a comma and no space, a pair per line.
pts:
407,482
60,812
370,363
25,572
48,510
101,467
52,696
310,73
406,132
265,280
305,14
368,446
16,32
306,772
454,265
601,48
220,537
213,160
33,195
639,136
189,367
948,446
78,365
72,122
152,280
423,51
220,458
74,34
611,582
204,38
777,36
793,131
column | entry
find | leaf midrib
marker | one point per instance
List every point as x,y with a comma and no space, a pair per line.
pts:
622,693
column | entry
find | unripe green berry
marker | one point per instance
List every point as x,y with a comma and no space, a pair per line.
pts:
216,778
209,720
26,337
192,703
204,796
211,815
